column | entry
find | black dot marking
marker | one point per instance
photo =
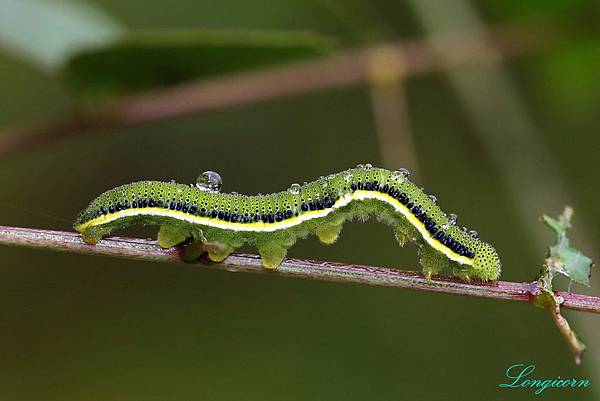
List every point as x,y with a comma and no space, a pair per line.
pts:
368,186
353,187
151,202
271,218
319,205
288,214
134,204
279,216
172,206
178,206
111,209
226,216
264,218
385,188
103,210
360,185
185,208
304,207
234,217
312,206
214,214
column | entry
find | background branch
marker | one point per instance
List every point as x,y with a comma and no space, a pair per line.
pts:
339,70
139,249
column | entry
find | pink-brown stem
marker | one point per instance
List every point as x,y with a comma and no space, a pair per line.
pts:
139,249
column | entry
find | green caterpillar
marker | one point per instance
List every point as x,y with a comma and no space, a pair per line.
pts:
205,220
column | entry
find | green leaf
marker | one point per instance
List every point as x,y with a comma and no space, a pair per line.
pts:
48,32
575,264
144,60
570,262
564,258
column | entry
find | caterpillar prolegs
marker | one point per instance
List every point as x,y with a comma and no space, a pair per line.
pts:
205,220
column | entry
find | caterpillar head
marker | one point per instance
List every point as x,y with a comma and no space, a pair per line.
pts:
486,264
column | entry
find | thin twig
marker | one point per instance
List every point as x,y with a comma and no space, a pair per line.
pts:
340,70
387,89
138,249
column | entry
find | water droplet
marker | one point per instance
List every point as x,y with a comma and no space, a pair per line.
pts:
404,172
331,176
348,177
433,198
464,229
360,166
209,181
368,166
234,193
294,189
452,218
445,227
473,234
172,181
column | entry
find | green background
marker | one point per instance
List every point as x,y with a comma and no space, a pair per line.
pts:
77,327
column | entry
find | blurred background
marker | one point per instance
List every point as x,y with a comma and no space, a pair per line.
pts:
492,105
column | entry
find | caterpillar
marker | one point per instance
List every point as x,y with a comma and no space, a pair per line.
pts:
205,220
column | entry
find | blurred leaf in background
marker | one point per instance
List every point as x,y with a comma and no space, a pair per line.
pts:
143,60
48,32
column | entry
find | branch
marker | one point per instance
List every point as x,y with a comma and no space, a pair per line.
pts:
342,69
139,249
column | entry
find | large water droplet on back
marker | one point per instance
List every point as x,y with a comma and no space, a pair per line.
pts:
433,198
473,234
368,166
360,166
452,218
209,181
294,189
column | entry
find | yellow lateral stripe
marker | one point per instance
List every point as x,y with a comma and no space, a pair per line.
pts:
269,227
418,224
